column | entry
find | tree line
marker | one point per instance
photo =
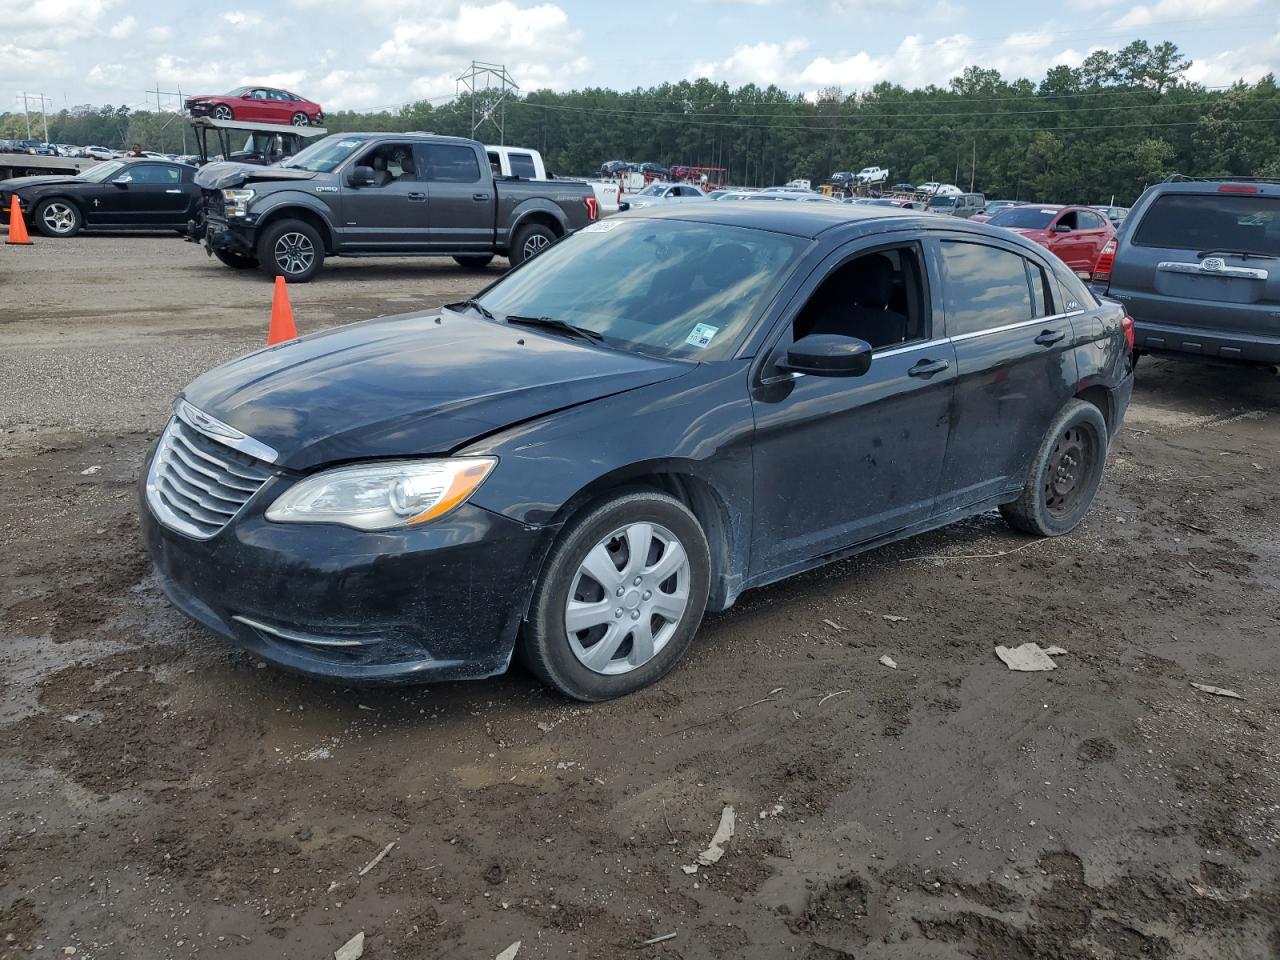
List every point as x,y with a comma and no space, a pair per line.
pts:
1104,129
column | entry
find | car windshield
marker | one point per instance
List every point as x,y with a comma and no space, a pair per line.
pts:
326,155
671,288
652,190
102,172
1029,218
237,92
1212,223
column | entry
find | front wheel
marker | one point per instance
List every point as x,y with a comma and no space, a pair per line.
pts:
476,261
235,260
58,218
620,598
291,249
1065,474
223,112
529,241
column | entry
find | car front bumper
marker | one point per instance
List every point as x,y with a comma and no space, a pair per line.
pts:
439,602
236,236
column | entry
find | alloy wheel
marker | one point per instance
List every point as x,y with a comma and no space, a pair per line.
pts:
627,598
222,112
294,253
58,217
535,245
300,120
1070,466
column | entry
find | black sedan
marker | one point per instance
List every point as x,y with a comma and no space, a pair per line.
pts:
118,194
654,415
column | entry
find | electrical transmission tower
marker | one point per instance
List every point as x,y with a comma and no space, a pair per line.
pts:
41,99
489,86
164,104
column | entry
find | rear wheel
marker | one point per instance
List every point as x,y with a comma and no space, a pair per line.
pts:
529,241
237,261
291,249
1065,474
300,120
620,598
223,112
474,262
58,218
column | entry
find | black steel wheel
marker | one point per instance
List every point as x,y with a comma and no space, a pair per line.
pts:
1064,475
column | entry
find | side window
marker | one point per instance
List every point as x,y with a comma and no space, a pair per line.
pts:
877,297
1041,298
1069,220
495,163
154,173
450,163
1090,221
390,162
522,165
983,287
260,95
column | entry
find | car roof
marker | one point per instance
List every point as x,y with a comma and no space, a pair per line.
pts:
798,219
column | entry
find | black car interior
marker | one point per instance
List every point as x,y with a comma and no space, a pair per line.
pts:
390,162
876,297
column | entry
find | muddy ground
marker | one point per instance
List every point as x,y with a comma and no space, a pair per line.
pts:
165,796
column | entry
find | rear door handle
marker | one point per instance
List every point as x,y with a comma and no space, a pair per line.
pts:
173,191
479,197
417,196
1048,338
927,368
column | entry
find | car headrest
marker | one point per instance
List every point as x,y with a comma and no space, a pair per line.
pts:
726,265
873,280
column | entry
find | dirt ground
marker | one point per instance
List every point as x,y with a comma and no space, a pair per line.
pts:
164,796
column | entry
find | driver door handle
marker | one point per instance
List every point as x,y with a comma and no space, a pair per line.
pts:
479,197
417,196
927,368
1048,338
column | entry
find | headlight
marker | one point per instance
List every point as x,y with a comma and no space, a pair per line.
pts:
237,202
383,495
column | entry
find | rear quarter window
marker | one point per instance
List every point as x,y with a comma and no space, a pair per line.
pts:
1211,222
983,287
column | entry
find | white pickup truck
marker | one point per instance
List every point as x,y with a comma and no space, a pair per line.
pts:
527,164
872,175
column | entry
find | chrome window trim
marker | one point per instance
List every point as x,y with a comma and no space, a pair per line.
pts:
1200,270
907,348
223,433
958,338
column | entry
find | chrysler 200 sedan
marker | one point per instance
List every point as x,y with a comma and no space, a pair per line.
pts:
656,414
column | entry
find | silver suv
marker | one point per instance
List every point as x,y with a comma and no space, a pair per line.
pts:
1197,266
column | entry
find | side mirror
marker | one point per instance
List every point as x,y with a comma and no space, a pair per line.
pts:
360,177
123,180
1061,228
828,355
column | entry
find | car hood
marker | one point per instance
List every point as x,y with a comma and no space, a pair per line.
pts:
17,183
223,174
410,385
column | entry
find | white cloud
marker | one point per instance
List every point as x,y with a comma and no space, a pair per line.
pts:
16,14
761,63
491,32
123,29
160,34
1249,62
1163,10
242,19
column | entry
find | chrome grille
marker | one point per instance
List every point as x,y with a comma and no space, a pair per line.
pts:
197,483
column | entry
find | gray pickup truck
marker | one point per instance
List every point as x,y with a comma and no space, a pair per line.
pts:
380,195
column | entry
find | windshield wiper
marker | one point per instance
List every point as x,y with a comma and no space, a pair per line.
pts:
555,323
474,304
1243,254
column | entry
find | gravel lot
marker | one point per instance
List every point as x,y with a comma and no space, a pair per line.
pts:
165,796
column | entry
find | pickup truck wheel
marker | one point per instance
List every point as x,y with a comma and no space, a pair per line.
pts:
237,261
291,249
223,112
529,241
58,218
476,262
621,595
1065,474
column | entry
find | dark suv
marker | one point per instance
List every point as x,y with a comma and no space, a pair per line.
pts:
1197,266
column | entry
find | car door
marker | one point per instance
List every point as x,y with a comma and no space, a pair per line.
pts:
460,199
1015,367
1095,230
390,214
845,460
136,196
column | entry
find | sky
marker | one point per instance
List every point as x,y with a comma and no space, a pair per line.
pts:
375,54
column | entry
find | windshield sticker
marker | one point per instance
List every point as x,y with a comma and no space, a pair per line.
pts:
701,335
602,226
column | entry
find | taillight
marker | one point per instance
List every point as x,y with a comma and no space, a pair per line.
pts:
1102,269
1238,188
593,208
1126,324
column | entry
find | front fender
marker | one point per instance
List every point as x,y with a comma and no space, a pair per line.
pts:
276,205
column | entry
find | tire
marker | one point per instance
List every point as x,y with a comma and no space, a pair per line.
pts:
605,659
237,261
1065,474
529,241
57,217
474,262
300,119
223,112
291,249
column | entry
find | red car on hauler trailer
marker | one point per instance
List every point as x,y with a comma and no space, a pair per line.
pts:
259,105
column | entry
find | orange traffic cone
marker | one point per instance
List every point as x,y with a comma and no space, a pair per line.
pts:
17,226
282,327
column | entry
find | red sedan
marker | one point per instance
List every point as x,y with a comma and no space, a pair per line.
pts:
1075,235
257,105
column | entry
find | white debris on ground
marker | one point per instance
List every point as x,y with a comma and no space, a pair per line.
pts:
723,834
889,662
1029,657
1216,691
353,949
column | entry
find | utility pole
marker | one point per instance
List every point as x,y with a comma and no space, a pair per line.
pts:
496,84
973,164
44,114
